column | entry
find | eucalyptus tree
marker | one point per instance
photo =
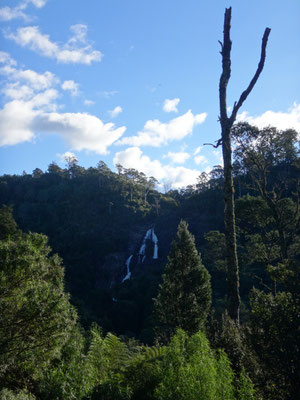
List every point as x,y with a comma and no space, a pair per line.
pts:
233,298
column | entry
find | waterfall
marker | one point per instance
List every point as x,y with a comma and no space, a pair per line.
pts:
128,275
143,246
150,235
155,241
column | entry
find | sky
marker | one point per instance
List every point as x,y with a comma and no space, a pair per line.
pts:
135,82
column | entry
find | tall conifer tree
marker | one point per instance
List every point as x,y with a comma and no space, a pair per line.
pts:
184,297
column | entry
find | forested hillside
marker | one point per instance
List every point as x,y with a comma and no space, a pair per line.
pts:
112,232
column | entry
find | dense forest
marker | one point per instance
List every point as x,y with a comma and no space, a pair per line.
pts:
111,289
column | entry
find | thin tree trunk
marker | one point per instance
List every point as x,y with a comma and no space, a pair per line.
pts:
233,298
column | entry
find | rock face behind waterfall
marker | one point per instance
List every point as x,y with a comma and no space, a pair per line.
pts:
143,251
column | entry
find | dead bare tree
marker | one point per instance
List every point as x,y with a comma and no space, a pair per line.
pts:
233,298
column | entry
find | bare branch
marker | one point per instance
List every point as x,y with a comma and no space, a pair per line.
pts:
221,44
219,142
260,67
226,65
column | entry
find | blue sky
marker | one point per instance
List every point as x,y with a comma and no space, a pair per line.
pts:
136,81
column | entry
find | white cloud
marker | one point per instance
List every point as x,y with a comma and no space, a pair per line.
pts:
177,176
219,156
44,100
81,131
88,102
280,120
37,81
71,86
18,116
38,3
177,158
5,58
16,123
16,91
200,160
36,90
32,111
10,13
171,105
67,156
79,32
35,113
156,133
115,112
197,151
76,50
28,85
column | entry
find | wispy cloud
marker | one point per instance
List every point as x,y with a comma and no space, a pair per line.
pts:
278,119
171,105
219,156
108,93
10,13
156,133
178,176
197,151
177,157
76,50
71,86
88,102
36,80
115,112
6,59
199,160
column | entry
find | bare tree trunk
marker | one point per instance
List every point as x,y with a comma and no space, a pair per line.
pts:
233,297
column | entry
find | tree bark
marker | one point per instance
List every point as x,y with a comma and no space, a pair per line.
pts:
233,297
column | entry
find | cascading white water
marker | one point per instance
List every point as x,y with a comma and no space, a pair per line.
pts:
155,241
150,235
128,275
142,251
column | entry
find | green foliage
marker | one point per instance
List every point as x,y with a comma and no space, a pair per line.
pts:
192,371
244,388
70,376
271,160
89,215
214,259
8,226
144,372
215,251
7,394
263,149
274,324
184,297
108,357
36,317
233,339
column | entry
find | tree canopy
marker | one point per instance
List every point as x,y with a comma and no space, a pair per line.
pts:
184,297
